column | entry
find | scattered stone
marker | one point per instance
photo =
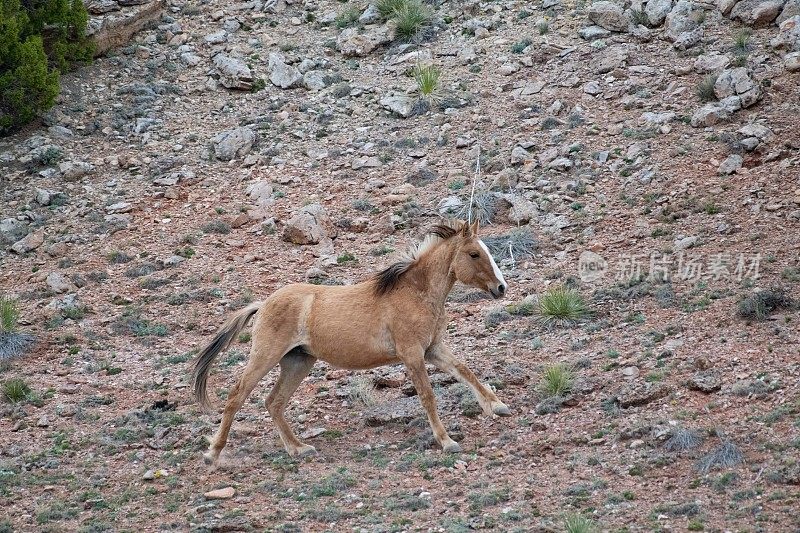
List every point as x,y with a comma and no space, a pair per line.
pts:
59,283
29,243
233,144
312,433
119,207
637,394
705,381
400,105
731,164
712,113
790,9
592,88
516,209
74,170
233,73
351,43
593,33
713,62
261,193
221,494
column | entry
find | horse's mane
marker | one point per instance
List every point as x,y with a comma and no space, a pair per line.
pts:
387,279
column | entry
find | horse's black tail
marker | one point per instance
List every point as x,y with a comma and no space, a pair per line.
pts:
224,337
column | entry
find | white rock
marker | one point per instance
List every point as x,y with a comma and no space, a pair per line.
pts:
233,143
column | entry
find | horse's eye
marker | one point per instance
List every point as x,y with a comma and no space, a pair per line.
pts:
474,255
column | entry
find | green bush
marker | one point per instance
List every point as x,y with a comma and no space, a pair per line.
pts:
38,40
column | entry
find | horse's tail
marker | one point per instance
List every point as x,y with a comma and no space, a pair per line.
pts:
223,339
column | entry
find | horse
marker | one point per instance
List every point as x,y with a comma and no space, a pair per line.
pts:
397,315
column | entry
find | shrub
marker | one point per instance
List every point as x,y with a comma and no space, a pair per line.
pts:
741,41
557,380
12,342
16,390
37,41
520,46
411,18
576,523
9,315
683,439
519,243
362,391
759,305
562,306
543,27
427,78
705,89
347,18
388,8
480,206
726,455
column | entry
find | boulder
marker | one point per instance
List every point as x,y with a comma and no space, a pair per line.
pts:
351,43
657,11
737,82
757,13
309,226
283,75
792,61
788,37
233,143
790,9
609,15
681,19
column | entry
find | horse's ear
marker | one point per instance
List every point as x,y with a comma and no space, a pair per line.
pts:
474,227
466,229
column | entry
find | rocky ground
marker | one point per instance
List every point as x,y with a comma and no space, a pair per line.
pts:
232,148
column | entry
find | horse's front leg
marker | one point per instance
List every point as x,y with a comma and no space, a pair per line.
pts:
442,357
414,360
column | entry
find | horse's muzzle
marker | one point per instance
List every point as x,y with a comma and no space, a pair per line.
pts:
498,292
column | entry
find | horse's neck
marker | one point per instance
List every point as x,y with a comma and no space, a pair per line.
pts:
435,275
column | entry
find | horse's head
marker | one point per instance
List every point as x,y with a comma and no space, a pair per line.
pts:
474,265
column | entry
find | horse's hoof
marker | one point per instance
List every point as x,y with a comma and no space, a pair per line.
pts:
501,409
451,447
210,458
306,450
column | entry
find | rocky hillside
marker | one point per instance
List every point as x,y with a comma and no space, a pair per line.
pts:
644,155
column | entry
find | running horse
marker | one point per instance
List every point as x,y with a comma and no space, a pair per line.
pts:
398,315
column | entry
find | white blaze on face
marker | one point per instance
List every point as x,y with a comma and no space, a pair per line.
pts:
497,273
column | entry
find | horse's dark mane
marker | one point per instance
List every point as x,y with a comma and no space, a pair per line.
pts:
387,279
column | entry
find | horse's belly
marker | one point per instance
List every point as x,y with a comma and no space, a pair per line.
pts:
354,356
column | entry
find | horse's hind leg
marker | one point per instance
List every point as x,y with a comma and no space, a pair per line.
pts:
295,366
264,356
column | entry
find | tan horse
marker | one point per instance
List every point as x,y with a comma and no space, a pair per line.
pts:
396,316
